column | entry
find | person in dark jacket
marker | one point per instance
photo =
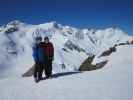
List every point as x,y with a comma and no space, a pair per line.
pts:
49,50
39,58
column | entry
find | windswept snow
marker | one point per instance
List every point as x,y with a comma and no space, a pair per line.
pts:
113,82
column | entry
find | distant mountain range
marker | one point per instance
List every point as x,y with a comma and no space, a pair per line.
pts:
72,45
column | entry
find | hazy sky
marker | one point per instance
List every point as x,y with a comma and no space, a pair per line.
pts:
77,13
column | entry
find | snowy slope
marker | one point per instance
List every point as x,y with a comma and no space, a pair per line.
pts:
113,82
72,45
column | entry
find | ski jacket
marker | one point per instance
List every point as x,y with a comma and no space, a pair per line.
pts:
49,50
38,54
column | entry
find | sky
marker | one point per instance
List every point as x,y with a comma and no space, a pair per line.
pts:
76,13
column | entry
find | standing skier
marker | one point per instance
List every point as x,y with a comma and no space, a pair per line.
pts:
49,50
38,55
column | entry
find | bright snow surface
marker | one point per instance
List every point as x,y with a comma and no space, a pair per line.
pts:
113,82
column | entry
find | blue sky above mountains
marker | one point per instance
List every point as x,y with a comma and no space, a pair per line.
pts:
77,13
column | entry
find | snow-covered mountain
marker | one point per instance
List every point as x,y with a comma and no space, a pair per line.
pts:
72,45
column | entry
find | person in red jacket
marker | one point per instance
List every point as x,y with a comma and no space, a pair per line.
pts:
49,51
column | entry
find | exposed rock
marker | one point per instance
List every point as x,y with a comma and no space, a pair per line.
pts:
108,52
10,30
30,72
131,42
64,49
70,45
87,66
122,44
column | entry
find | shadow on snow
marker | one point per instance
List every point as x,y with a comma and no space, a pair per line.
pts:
62,74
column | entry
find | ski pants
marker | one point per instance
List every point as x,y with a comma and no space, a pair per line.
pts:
48,68
38,70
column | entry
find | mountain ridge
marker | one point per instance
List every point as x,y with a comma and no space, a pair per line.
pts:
17,39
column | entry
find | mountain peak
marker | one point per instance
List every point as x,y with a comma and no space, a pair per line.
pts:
15,23
50,25
54,24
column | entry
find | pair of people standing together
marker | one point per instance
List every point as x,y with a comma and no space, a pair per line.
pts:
43,54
